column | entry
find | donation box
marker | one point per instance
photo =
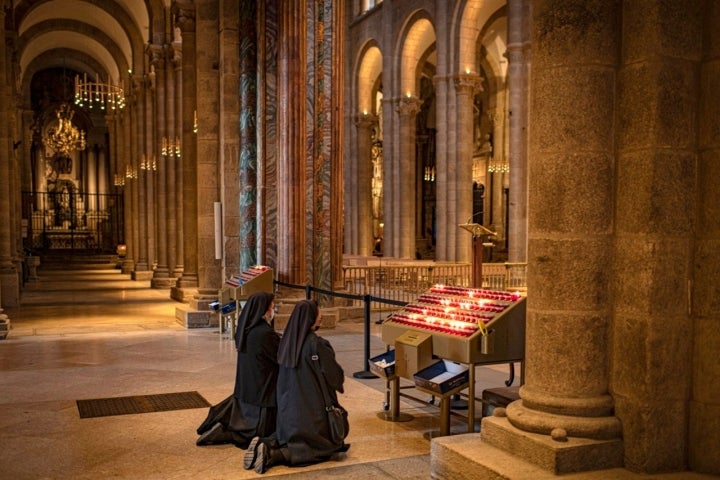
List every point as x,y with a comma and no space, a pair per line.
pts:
413,352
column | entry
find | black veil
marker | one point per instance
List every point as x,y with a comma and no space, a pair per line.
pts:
252,313
300,324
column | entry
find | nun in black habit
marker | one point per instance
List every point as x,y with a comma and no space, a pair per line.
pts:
252,408
302,436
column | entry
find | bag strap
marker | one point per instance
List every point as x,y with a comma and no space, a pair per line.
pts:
319,373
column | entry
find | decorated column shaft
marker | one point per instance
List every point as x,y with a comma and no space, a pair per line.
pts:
362,212
408,108
466,85
185,19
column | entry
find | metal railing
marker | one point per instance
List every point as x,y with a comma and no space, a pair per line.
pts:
72,221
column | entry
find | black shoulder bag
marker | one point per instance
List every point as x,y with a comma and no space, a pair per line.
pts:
339,425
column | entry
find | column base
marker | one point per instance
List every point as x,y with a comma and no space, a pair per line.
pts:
142,275
10,288
4,325
532,452
182,294
163,282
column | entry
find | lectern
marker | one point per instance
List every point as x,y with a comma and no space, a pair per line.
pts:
479,235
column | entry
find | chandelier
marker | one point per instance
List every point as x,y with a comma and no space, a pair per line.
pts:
170,147
65,137
498,166
105,96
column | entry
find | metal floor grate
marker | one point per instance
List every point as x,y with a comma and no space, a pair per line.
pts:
104,407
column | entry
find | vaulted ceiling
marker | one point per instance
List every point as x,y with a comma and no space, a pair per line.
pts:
105,39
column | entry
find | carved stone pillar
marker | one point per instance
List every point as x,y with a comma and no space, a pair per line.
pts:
466,85
566,392
161,275
667,320
149,148
207,99
362,212
518,53
408,108
291,128
248,161
704,408
443,228
9,281
132,156
185,19
175,116
171,162
126,169
138,113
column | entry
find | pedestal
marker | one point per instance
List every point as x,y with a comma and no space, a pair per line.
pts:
32,263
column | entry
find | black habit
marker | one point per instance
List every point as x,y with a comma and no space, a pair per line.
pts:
252,408
302,424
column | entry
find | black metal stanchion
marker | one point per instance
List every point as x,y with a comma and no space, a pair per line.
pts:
366,374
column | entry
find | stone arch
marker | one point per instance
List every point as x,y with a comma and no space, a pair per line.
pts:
473,17
368,70
76,34
72,59
125,22
419,37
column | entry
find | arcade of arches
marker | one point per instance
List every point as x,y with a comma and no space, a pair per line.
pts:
585,134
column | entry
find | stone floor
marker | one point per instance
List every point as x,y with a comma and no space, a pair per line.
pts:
90,334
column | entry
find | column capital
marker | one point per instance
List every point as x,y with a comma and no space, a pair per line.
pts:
156,54
365,120
184,13
470,82
409,105
174,54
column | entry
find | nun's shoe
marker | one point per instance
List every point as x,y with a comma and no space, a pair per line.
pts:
216,435
251,454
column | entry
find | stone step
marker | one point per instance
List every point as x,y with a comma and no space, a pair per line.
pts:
80,261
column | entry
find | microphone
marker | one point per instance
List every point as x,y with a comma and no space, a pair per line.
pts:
473,216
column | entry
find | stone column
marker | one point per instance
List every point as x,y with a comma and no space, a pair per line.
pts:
408,109
442,245
466,85
175,109
161,275
704,434
497,179
103,179
390,182
150,147
247,236
185,19
658,225
362,218
9,280
566,392
138,148
166,130
518,54
207,102
132,156
291,128
125,168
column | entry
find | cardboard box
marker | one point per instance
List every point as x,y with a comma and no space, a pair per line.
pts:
388,360
442,376
413,352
